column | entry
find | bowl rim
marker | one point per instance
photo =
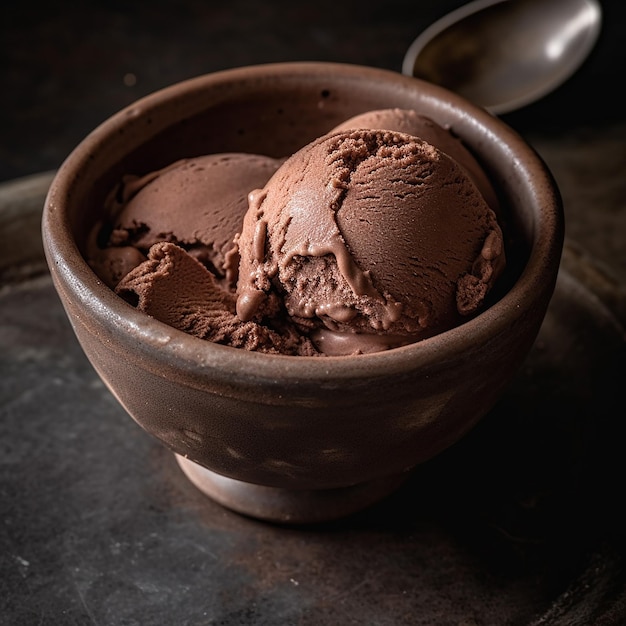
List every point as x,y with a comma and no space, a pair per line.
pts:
182,353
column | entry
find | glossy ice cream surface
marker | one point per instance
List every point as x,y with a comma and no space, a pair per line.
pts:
380,233
371,239
197,203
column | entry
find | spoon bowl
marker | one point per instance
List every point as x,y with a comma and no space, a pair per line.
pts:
505,54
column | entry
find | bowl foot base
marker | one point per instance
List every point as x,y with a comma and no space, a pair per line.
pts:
288,506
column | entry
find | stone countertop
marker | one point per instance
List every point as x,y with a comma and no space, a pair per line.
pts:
98,525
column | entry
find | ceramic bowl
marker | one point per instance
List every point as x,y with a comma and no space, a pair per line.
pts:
283,438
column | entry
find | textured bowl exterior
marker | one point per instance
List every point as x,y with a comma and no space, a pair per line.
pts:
298,422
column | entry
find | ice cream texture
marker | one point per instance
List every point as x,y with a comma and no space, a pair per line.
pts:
383,232
197,203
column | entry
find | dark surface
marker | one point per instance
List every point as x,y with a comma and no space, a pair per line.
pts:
519,524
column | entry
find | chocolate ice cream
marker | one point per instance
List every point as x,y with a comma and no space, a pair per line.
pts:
170,249
380,233
177,289
197,203
412,123
369,239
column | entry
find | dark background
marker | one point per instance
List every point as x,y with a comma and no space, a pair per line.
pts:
65,67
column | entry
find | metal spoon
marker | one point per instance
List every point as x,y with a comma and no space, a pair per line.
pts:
505,54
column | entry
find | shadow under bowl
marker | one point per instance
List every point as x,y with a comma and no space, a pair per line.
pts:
298,439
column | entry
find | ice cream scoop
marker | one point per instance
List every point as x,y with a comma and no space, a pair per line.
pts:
412,123
197,203
370,239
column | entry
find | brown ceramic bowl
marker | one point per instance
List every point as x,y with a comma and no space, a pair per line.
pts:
298,439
